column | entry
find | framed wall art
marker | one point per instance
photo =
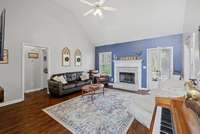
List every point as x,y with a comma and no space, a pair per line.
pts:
65,57
78,58
33,55
5,57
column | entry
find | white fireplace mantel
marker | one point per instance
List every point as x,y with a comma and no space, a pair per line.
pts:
130,65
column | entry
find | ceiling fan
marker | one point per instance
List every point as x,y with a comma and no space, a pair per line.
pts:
97,8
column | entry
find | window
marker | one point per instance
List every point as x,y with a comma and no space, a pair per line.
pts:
105,63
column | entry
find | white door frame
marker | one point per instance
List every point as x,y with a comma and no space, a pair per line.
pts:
172,61
23,64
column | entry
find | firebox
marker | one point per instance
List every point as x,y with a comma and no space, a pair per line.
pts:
126,77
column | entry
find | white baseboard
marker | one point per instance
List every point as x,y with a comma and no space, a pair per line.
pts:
144,89
11,102
33,90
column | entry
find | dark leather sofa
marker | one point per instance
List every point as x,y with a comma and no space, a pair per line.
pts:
74,84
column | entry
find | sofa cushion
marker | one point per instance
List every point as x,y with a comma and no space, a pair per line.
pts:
75,76
67,86
78,74
82,83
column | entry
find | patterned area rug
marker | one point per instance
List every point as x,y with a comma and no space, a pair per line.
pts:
108,114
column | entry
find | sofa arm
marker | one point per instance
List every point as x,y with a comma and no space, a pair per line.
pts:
55,87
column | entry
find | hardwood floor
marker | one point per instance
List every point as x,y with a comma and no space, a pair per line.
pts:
28,118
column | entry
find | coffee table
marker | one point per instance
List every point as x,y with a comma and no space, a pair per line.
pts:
91,90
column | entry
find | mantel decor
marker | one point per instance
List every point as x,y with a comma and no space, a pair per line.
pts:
129,58
65,57
78,58
5,57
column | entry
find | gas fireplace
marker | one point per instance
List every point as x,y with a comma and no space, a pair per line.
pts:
128,74
126,77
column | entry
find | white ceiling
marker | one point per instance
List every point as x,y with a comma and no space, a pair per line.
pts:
133,20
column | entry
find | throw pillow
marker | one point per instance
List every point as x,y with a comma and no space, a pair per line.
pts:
84,76
62,79
97,75
56,78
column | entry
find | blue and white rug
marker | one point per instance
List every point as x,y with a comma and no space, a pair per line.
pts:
108,114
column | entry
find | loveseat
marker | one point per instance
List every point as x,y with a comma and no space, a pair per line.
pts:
73,83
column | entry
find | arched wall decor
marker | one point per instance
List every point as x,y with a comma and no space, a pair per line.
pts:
66,57
78,58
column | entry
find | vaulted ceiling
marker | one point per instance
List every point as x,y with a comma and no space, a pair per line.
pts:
133,20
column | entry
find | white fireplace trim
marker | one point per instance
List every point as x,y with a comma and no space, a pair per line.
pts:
136,64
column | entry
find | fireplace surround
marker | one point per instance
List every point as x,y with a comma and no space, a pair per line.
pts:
128,74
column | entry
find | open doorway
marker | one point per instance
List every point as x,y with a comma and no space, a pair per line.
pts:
35,68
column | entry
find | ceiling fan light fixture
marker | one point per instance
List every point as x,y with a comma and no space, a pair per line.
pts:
98,12
97,8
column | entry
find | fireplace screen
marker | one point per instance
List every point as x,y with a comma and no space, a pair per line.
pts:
127,77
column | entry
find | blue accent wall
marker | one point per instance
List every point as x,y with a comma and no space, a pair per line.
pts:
131,49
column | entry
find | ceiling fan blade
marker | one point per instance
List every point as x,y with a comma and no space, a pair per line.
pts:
101,2
109,8
88,12
86,2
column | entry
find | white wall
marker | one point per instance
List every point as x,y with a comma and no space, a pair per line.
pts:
39,22
192,17
191,25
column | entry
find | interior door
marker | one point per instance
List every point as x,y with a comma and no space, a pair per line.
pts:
153,67
160,66
166,63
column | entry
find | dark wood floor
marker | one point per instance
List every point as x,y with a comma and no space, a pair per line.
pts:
28,118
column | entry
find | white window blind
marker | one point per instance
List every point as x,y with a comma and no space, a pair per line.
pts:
105,63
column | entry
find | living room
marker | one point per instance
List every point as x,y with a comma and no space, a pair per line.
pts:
104,61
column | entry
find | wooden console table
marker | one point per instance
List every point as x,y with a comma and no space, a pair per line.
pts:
1,94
